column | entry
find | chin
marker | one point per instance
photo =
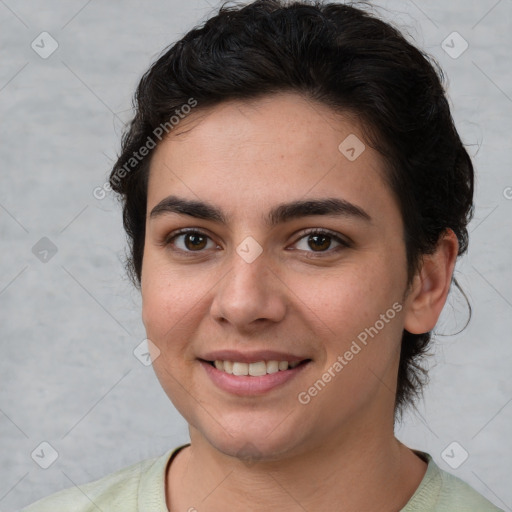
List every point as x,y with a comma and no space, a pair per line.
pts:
252,440
251,449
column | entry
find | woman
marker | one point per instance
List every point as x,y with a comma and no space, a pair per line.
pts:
296,196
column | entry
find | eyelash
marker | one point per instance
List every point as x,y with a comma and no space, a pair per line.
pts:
343,244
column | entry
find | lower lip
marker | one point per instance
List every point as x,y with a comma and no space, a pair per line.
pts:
245,385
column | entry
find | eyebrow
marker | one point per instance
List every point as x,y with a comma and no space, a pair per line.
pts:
279,214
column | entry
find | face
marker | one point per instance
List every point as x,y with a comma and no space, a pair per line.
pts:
269,247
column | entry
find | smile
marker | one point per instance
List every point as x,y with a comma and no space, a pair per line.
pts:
252,379
256,369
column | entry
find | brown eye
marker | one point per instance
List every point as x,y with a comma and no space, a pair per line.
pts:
319,242
190,241
195,241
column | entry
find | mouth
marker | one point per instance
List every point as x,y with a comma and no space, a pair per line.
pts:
256,369
253,378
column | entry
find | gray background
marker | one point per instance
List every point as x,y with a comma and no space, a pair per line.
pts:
69,325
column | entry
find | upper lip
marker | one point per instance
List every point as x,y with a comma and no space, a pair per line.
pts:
252,356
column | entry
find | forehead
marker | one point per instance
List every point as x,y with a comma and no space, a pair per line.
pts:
287,124
252,154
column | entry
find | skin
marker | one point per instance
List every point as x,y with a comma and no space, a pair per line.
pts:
270,451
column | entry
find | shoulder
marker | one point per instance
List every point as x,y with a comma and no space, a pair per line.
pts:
118,491
441,491
456,494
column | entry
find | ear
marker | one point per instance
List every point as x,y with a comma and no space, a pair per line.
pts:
430,286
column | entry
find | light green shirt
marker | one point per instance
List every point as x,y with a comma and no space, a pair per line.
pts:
141,487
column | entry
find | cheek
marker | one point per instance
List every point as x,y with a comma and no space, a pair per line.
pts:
360,313
168,314
168,300
351,298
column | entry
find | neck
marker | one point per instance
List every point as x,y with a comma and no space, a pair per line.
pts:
349,473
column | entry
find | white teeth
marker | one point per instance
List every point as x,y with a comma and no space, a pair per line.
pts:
240,369
272,366
257,369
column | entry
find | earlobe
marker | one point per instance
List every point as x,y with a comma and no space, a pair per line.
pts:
431,285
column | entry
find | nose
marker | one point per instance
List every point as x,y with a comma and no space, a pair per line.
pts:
250,295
